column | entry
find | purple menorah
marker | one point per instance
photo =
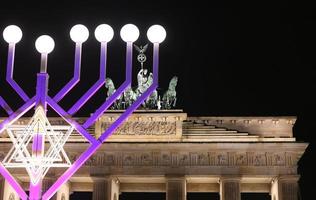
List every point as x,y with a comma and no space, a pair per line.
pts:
39,133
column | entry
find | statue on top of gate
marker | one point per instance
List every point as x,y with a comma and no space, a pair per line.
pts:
144,81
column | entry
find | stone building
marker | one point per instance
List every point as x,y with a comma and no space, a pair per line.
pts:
166,151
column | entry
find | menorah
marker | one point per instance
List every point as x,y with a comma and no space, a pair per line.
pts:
38,146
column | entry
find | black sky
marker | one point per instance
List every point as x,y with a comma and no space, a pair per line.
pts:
242,58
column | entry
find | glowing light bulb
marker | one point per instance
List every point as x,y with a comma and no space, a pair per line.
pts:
104,33
12,34
44,44
129,33
79,33
156,34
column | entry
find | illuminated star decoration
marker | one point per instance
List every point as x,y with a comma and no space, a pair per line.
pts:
38,132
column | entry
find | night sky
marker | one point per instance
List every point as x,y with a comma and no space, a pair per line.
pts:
242,59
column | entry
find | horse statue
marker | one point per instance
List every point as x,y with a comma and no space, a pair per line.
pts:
151,101
169,98
129,97
111,89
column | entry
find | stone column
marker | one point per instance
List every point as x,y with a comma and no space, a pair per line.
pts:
1,187
64,192
176,188
8,192
230,188
105,188
47,182
285,188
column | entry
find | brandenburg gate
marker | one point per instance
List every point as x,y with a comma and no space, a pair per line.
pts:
167,151
135,141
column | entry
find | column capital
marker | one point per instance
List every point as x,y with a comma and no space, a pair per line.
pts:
285,187
288,178
229,179
103,177
98,178
176,177
105,187
49,178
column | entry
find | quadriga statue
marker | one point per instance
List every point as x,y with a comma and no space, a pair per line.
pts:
168,101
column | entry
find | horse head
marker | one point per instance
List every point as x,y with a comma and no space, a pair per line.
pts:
109,83
173,83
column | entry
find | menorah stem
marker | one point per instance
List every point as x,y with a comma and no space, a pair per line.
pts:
9,75
35,191
76,107
41,90
38,144
76,77
119,91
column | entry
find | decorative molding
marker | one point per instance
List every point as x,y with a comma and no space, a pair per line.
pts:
261,126
192,159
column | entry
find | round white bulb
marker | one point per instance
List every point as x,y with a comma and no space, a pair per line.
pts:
156,34
12,34
129,33
44,44
79,33
104,33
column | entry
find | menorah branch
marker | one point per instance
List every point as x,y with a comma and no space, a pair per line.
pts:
67,117
70,171
139,100
9,75
17,114
76,77
118,92
5,106
14,184
100,82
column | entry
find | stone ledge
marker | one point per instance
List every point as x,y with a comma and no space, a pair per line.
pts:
262,126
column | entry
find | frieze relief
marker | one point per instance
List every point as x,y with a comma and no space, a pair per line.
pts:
190,159
144,128
169,158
